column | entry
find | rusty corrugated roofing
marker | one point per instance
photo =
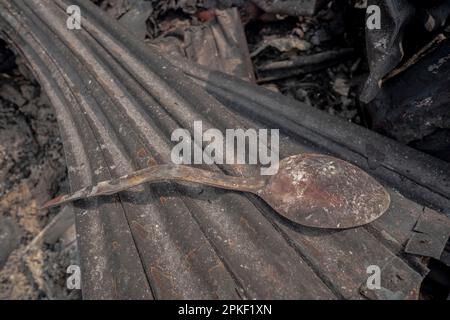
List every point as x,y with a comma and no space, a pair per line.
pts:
117,102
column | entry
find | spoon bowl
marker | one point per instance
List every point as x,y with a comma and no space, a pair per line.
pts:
322,191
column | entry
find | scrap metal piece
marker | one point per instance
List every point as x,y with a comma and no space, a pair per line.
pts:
220,44
413,105
302,61
386,45
301,65
395,283
430,235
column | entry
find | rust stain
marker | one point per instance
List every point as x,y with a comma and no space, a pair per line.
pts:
151,162
140,230
189,255
165,282
217,265
321,196
142,152
115,245
231,244
158,273
244,222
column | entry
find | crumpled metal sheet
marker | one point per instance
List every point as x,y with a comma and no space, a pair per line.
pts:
436,16
392,286
429,236
413,106
385,47
220,44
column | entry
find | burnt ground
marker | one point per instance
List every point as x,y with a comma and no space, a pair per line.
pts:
333,89
32,165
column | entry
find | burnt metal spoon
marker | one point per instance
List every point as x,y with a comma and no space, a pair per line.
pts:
310,189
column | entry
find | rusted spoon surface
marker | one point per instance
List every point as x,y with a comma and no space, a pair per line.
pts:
310,189
325,192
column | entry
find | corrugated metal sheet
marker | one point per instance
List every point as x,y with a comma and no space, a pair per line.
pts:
118,101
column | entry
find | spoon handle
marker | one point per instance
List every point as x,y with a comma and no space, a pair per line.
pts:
160,173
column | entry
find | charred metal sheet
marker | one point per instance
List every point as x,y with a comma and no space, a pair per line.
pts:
118,101
220,44
413,105
430,235
386,44
393,283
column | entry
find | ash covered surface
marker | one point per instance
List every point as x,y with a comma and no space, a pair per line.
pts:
32,168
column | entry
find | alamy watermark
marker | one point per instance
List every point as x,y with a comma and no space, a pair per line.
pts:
374,279
74,279
74,20
236,146
373,20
